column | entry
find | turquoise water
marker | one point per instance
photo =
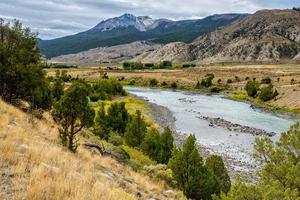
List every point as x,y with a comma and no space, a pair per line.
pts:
187,107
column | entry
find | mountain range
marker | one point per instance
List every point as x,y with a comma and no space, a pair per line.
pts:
265,36
129,28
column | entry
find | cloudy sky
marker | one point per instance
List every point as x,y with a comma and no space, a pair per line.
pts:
56,18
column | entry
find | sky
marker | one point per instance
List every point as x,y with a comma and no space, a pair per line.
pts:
57,18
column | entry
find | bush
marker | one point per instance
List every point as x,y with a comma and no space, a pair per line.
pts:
21,71
164,84
267,93
94,97
135,130
153,82
188,169
149,65
165,64
215,89
266,80
115,139
132,82
229,81
133,65
174,85
252,88
207,81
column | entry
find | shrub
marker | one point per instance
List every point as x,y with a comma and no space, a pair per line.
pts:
21,71
188,169
132,65
165,64
207,81
252,88
73,113
153,82
267,93
135,130
115,139
215,89
94,97
149,65
174,85
164,84
229,81
132,82
216,165
266,80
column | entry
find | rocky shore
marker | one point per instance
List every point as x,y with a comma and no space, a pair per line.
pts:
213,122
164,117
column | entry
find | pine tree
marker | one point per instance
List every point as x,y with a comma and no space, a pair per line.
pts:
216,165
151,144
135,130
189,171
167,145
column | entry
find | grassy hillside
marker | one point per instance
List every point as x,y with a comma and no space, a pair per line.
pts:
34,165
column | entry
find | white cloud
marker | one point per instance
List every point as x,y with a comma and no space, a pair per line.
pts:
56,18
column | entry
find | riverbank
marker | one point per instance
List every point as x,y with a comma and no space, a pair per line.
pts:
165,118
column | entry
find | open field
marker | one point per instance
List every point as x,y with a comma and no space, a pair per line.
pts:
285,78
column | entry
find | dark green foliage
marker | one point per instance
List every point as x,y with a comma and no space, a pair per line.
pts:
198,85
216,165
266,80
165,64
167,145
279,176
57,89
21,73
192,176
164,84
174,85
149,65
57,66
115,139
151,144
158,146
267,93
133,65
153,82
73,113
252,88
106,88
114,120
135,130
187,65
215,89
207,80
229,81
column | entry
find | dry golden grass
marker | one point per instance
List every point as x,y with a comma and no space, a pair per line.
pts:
34,166
289,93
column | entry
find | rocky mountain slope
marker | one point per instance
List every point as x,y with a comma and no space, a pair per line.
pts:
128,28
266,36
107,55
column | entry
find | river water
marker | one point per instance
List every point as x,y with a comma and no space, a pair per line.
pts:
234,146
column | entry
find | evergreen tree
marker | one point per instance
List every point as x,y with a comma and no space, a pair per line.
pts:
216,165
151,144
117,117
135,130
57,89
189,171
21,72
167,145
73,113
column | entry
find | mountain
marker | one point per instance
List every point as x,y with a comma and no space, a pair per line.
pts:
142,23
129,28
265,36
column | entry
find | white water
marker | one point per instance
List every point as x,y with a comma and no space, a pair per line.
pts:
236,147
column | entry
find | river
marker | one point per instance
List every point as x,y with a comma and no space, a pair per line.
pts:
236,147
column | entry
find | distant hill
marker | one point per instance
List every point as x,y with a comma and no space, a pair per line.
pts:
129,28
266,36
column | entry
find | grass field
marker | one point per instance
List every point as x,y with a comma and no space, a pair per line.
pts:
285,78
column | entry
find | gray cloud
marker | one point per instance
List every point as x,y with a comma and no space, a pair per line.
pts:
56,18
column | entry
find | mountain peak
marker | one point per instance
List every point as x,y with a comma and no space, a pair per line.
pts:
141,23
